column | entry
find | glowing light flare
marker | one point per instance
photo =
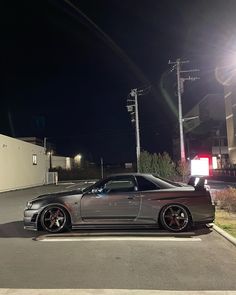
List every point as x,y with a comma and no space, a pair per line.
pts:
200,166
78,158
225,72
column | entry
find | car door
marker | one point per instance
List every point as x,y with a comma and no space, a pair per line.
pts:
116,201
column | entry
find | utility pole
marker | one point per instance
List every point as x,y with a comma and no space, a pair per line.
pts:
181,132
132,107
134,94
45,144
180,89
102,169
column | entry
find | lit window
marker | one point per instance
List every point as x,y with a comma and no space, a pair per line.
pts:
34,158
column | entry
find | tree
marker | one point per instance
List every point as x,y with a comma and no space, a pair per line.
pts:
160,164
145,162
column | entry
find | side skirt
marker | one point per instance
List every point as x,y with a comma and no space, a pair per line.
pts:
114,226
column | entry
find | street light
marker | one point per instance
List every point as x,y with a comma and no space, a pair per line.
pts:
77,159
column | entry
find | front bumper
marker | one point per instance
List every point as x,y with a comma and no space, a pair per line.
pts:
30,219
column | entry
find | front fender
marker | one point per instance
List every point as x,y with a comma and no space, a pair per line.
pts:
49,205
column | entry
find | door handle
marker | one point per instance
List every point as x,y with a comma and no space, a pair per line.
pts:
130,198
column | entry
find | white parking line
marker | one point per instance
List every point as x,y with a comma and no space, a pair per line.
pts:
108,292
101,239
72,185
66,183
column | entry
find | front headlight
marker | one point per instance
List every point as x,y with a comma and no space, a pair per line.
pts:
29,205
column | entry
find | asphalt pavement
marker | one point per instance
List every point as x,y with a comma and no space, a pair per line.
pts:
93,260
219,185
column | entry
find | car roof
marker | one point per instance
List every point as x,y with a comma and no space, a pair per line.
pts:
130,174
151,177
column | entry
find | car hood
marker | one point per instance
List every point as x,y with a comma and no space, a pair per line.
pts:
57,195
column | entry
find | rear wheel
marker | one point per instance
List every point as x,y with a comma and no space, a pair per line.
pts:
55,219
175,218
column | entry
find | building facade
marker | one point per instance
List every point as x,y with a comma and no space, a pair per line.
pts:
22,164
205,130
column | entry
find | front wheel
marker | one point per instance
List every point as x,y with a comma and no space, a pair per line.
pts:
54,219
175,218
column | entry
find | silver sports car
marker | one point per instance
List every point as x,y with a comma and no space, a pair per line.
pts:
124,200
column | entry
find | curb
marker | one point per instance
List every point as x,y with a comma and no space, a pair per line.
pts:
224,234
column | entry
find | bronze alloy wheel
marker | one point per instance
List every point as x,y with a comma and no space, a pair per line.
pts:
54,219
175,218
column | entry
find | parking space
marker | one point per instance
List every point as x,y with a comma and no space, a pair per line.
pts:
109,259
155,235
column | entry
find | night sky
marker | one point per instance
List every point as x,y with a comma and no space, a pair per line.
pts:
68,67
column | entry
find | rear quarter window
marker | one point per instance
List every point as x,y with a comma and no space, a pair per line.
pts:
145,185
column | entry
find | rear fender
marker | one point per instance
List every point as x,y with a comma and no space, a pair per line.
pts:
179,204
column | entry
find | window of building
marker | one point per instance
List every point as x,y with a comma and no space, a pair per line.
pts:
34,159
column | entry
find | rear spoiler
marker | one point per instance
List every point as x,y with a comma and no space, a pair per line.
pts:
198,182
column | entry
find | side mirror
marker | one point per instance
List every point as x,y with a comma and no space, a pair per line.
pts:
97,190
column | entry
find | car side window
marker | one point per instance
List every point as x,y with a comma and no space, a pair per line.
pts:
145,185
119,185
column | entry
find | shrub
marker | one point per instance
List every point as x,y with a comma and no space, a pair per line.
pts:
78,173
183,169
225,199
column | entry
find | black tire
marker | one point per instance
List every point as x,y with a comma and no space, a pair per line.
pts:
55,219
175,218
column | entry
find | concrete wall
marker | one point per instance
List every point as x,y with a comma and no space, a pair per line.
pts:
17,169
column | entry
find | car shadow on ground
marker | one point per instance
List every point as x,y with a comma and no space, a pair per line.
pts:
15,229
90,233
202,230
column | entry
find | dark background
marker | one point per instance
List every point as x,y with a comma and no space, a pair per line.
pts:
68,67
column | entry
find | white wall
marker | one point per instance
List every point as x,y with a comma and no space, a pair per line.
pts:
16,164
63,162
